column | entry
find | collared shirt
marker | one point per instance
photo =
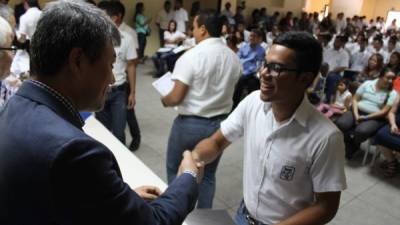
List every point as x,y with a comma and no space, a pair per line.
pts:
359,59
372,100
28,22
381,51
168,36
336,58
181,17
211,70
163,18
124,27
74,112
285,163
125,52
251,58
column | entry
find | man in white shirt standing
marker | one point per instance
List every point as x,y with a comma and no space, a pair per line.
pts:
114,113
205,77
293,155
163,19
117,9
180,16
28,21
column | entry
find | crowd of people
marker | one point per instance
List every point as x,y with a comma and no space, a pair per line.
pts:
277,81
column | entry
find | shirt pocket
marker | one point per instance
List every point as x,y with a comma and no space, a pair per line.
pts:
283,169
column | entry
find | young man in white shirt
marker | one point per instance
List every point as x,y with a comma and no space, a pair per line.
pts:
119,100
293,155
338,60
163,17
180,16
205,77
359,58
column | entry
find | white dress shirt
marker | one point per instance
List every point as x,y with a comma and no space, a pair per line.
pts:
336,58
359,59
211,70
181,17
285,163
163,18
125,52
127,29
28,22
172,37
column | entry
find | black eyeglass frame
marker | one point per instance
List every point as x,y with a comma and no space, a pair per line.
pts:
277,67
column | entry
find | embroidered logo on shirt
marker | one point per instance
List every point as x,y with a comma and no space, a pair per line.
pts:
287,173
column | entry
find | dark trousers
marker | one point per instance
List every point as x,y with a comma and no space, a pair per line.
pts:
245,86
113,115
332,80
132,122
161,36
142,39
357,133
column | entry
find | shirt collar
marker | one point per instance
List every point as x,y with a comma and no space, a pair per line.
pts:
62,105
209,41
300,115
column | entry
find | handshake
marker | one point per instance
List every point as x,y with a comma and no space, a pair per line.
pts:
192,165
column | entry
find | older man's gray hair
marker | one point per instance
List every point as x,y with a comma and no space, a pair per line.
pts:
68,24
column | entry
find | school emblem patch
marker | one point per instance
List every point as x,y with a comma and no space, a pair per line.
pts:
287,173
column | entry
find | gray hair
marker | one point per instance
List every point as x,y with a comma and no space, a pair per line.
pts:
68,24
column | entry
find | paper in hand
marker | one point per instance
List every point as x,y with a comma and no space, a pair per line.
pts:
164,84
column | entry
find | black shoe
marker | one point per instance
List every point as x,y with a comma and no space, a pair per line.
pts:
134,146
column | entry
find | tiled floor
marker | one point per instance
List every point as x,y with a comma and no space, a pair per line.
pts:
369,200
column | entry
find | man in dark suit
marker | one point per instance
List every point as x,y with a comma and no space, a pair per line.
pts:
51,172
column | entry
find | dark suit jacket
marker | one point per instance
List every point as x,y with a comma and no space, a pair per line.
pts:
51,172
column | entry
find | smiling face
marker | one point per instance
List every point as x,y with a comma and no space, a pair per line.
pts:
287,84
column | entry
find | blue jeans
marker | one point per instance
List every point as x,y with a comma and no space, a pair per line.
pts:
241,214
113,115
332,80
186,133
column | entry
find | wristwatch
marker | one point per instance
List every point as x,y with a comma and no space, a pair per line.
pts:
194,175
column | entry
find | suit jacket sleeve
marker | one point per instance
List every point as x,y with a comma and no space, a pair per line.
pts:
87,188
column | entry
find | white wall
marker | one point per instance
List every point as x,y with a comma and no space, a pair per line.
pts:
348,7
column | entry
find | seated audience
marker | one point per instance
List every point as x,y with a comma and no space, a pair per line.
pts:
359,55
388,141
338,60
370,105
172,39
251,57
372,70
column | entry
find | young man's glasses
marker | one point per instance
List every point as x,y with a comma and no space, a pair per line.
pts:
12,49
275,69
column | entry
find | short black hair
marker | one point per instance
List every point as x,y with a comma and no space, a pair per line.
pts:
113,8
33,3
258,32
211,20
308,51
